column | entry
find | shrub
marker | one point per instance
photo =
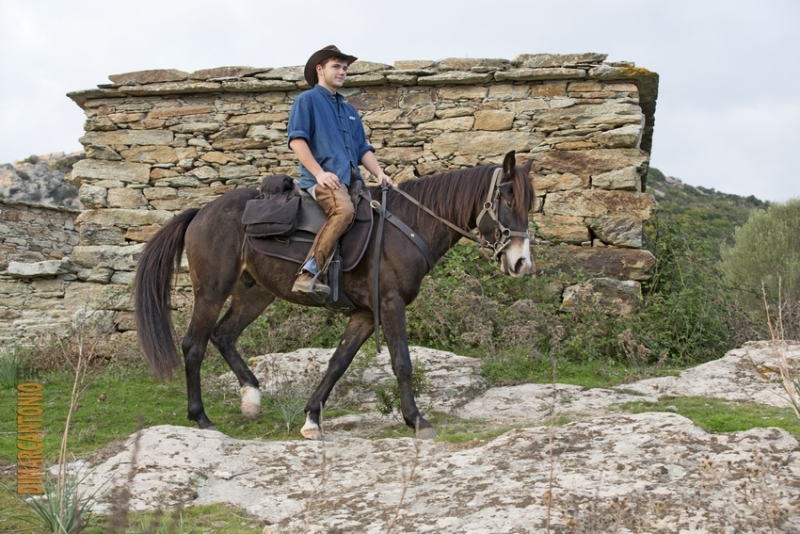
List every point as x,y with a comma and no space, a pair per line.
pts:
766,248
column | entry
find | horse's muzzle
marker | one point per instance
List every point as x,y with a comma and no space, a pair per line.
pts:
516,258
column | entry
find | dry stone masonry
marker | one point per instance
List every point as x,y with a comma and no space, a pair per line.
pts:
160,141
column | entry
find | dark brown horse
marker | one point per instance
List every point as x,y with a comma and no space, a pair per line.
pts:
221,265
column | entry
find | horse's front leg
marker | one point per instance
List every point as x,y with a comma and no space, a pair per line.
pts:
393,321
358,330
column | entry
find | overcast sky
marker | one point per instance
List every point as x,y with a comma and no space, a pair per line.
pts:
728,112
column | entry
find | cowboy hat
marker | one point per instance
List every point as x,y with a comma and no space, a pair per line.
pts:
310,72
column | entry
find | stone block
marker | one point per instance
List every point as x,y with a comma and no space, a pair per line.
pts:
618,230
92,170
123,218
38,269
558,182
560,229
629,136
626,179
91,234
574,203
606,295
462,93
583,115
119,258
125,197
461,124
92,197
557,60
196,127
400,155
597,203
259,118
381,119
149,76
128,137
482,143
455,78
494,120
553,73
619,263
237,171
141,234
585,163
164,113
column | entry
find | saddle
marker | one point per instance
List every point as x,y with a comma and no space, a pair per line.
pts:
283,221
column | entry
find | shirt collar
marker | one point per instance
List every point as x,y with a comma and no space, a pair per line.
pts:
325,92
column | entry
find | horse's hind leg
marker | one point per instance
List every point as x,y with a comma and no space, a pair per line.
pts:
358,330
206,312
247,302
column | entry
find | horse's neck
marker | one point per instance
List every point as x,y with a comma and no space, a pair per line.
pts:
441,237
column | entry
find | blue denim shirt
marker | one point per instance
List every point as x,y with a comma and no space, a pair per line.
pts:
333,131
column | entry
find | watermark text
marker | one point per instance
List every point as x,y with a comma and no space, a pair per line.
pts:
30,434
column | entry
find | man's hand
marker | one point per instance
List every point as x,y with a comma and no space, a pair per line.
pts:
384,178
328,179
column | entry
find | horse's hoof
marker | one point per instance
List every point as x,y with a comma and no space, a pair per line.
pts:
426,433
311,433
212,427
251,402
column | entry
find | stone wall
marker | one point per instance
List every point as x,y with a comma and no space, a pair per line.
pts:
33,233
158,142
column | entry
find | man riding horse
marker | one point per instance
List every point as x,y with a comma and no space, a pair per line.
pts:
327,136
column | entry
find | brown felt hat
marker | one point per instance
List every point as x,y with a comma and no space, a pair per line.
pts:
310,72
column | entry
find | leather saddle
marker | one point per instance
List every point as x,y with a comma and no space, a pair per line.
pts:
310,219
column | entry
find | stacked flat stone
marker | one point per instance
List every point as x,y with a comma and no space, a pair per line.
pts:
161,141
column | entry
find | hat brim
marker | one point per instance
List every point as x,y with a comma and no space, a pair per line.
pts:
310,72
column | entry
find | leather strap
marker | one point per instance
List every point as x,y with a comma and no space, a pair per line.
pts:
376,282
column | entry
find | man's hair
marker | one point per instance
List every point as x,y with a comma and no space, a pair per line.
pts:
337,58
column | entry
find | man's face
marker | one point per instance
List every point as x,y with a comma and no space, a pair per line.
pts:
332,75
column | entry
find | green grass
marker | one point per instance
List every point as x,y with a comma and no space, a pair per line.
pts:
716,415
524,367
115,394
16,517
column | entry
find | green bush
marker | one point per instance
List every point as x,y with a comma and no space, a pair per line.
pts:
766,249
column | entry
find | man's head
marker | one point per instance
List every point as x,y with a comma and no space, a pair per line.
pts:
324,58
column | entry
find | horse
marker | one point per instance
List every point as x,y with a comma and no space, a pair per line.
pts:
494,200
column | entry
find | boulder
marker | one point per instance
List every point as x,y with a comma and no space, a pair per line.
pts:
606,295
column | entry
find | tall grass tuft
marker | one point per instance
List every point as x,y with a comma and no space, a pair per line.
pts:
12,365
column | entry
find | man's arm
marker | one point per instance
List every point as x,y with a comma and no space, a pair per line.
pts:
371,163
303,153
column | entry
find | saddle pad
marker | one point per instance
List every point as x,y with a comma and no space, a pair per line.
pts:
295,248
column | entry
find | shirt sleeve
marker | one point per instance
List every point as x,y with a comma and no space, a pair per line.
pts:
360,138
301,121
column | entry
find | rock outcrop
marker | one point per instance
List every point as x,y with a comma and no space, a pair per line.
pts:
606,471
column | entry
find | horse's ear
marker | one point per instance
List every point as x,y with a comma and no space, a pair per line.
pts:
509,163
527,167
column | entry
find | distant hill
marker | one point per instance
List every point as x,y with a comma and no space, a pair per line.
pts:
711,215
40,180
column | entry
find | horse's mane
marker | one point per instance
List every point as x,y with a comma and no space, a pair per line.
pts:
453,195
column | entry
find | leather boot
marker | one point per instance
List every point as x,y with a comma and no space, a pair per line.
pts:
307,283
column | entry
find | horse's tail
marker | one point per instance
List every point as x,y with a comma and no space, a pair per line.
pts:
160,260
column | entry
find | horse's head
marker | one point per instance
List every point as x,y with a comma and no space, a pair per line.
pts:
504,219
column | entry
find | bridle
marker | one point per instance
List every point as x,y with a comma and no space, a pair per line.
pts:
502,234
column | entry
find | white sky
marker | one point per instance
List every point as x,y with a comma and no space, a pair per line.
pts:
728,107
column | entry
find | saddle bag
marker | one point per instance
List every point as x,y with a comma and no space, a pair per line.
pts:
274,212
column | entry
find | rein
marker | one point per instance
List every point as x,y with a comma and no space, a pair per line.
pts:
502,235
